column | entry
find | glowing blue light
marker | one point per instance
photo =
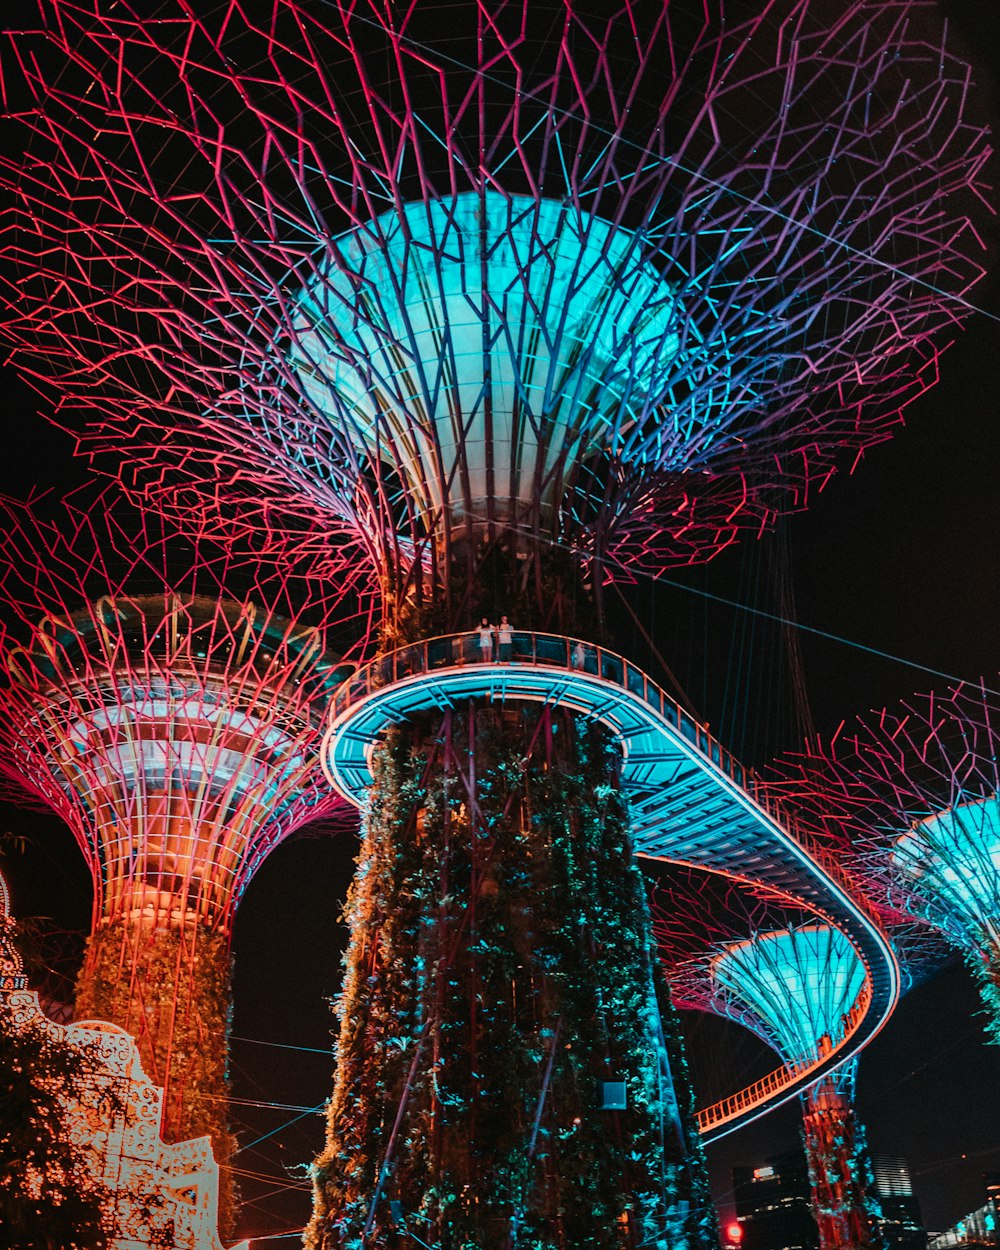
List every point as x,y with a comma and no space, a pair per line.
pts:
672,819
797,985
493,321
952,861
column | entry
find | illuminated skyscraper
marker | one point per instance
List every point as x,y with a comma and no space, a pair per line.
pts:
900,1222
773,1205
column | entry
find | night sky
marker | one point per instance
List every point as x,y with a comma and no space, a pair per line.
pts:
901,557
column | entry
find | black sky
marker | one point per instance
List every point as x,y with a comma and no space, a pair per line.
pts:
901,557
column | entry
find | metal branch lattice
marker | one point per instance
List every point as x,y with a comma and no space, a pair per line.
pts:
757,959
625,286
915,791
798,984
173,729
629,288
796,988
697,915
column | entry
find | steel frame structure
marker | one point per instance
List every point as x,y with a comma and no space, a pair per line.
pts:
174,729
629,289
915,789
796,987
747,953
492,310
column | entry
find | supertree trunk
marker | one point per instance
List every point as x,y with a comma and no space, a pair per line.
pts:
182,1037
839,1167
500,971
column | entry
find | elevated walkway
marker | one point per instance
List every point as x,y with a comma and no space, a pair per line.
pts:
692,802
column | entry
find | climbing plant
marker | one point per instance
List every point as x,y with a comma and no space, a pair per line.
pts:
182,1038
499,998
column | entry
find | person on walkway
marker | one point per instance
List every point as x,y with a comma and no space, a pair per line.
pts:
485,632
505,637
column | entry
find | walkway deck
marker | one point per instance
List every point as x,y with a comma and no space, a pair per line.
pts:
692,802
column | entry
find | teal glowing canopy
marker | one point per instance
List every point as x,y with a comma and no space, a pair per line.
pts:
636,285
793,986
487,345
951,861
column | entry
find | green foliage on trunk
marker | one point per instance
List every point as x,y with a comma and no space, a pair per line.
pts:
985,967
842,1183
170,988
500,969
538,588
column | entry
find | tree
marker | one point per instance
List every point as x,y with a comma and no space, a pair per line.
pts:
51,1193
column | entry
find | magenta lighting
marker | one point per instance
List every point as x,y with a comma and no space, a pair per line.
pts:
448,277
166,698
796,988
509,300
915,789
794,981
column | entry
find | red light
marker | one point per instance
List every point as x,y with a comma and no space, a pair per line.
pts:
734,1232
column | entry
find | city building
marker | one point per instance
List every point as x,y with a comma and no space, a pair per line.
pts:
774,1207
774,1204
901,1223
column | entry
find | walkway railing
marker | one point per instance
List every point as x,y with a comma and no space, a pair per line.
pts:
573,654
454,651
449,651
744,1100
552,651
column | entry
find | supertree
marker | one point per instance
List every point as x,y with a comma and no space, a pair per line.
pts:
751,957
795,987
174,726
915,789
508,307
624,285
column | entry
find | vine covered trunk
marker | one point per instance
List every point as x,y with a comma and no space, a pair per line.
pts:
843,1187
169,986
505,1077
